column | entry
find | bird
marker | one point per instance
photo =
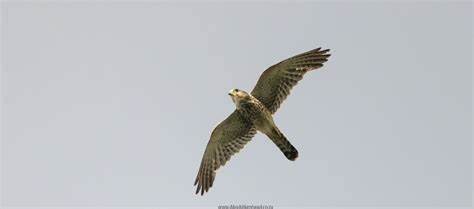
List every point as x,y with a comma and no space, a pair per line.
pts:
253,114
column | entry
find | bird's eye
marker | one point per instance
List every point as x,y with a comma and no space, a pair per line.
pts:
236,90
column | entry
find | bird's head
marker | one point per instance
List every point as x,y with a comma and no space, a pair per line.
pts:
238,96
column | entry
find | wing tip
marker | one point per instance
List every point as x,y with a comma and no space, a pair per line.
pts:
324,51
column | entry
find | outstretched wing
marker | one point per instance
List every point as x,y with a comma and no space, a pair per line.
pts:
227,138
275,83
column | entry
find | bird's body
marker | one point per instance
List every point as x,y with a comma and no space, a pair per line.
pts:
253,110
254,113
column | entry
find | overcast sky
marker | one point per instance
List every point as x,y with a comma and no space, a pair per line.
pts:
112,104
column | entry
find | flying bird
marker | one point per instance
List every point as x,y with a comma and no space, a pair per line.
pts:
254,112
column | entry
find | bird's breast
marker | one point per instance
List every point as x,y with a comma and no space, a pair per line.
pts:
256,113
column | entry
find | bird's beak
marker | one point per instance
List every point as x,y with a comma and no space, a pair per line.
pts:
230,92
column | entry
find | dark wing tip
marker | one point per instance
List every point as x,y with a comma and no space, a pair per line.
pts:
200,188
198,183
323,54
323,51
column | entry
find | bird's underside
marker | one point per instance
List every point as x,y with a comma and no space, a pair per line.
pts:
254,113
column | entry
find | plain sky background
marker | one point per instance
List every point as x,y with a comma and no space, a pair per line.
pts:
112,103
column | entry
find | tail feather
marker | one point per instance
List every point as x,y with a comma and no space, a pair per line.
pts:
285,146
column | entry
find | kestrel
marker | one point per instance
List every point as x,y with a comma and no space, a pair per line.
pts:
254,113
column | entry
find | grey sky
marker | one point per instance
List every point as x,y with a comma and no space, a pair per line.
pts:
112,104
